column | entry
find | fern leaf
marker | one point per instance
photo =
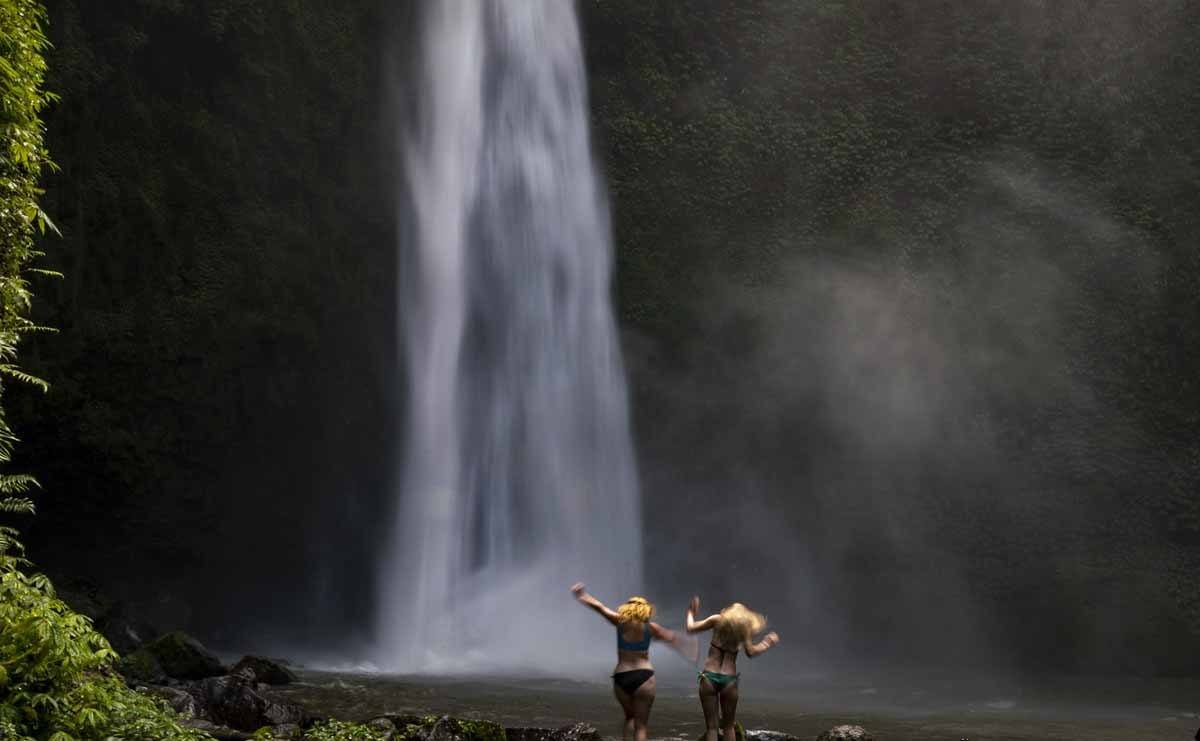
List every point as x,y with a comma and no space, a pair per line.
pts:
17,483
14,372
16,506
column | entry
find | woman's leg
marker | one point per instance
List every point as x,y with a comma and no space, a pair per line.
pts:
708,701
627,727
729,698
643,700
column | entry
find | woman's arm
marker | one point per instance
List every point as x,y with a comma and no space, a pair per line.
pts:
706,624
660,633
754,649
684,645
581,594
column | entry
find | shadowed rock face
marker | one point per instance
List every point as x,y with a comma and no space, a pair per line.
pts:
267,671
232,701
183,657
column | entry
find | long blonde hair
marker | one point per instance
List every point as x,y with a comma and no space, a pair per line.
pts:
636,609
738,624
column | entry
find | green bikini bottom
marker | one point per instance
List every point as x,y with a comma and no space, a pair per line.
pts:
719,681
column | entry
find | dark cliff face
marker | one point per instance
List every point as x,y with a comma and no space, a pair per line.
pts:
905,294
906,298
224,376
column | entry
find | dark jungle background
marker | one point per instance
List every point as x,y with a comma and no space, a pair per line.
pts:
908,294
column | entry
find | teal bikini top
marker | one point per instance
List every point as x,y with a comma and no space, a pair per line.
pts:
642,645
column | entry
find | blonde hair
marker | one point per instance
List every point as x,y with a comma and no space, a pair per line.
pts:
739,623
636,609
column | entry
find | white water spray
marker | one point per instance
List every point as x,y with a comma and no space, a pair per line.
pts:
518,472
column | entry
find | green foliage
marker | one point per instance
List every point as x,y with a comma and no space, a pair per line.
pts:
23,157
56,673
336,730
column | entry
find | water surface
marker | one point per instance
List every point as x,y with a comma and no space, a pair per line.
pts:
895,707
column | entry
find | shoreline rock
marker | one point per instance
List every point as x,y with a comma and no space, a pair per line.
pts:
846,733
264,670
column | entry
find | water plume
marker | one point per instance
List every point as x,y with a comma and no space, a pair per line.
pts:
518,474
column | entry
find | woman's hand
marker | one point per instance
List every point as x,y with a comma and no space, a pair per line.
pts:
694,605
579,590
769,640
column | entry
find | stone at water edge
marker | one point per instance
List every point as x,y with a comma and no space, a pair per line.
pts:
287,731
761,734
574,732
181,701
233,702
183,657
383,727
221,733
267,671
846,733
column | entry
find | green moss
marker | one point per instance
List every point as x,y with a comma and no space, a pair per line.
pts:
336,730
409,727
476,730
140,666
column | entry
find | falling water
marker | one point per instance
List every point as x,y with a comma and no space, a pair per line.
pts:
518,472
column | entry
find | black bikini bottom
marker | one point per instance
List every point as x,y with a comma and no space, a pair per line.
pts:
629,681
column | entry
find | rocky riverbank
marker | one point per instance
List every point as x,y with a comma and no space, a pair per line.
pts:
243,702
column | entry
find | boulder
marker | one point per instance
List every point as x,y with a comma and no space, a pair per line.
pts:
575,732
141,667
383,727
759,734
182,657
287,731
232,701
266,671
218,731
846,733
181,701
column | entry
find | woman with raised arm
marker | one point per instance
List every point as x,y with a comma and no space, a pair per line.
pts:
633,677
733,628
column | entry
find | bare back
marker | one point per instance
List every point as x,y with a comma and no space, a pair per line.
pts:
722,657
632,633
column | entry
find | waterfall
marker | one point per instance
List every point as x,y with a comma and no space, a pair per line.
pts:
517,474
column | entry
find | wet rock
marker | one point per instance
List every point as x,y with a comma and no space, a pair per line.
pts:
846,733
233,701
759,734
222,733
263,670
575,732
383,727
141,666
288,731
179,700
183,657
